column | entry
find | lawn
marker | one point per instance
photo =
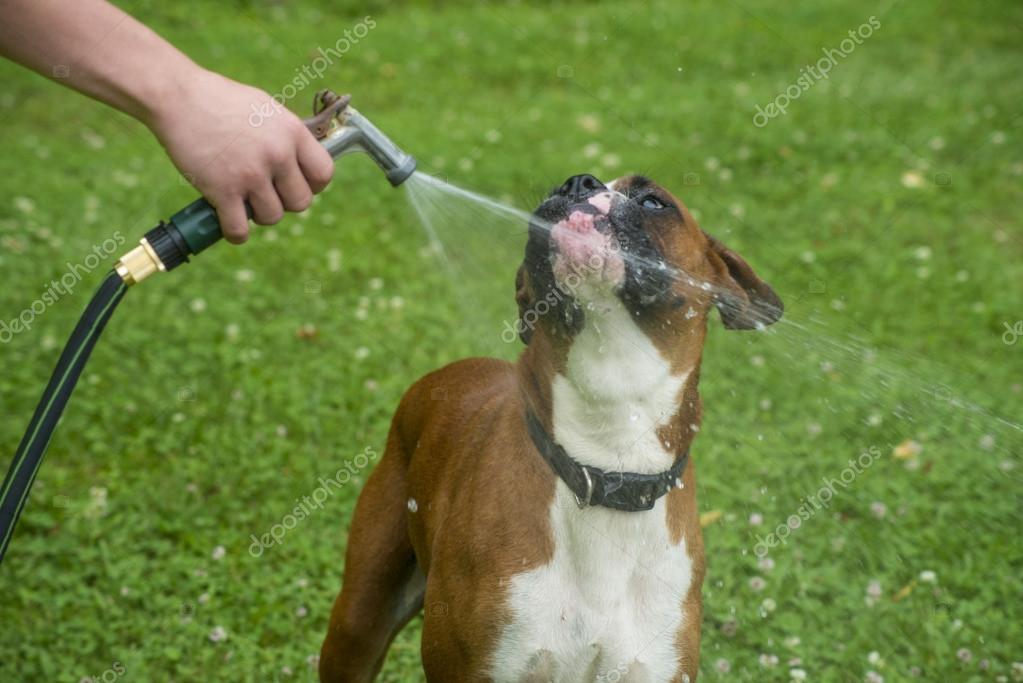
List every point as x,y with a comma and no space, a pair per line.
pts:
883,205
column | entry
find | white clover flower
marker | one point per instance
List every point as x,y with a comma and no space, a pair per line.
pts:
912,179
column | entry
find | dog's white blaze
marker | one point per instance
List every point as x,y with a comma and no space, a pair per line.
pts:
609,603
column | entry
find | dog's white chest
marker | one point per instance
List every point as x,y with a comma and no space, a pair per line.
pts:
608,607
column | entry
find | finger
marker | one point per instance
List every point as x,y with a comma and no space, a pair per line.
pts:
266,205
233,221
315,162
292,188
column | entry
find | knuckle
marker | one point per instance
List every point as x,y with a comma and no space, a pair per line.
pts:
270,216
300,201
278,156
249,177
236,234
321,175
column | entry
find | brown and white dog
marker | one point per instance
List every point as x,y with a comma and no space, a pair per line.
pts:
544,512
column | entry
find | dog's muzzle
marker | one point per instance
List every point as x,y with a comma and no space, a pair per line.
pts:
583,241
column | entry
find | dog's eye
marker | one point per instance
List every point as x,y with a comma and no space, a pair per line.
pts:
651,202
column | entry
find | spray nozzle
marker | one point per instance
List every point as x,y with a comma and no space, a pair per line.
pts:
338,127
341,128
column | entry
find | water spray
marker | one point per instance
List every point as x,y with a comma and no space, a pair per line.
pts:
338,127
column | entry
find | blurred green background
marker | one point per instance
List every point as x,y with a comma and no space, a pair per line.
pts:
884,207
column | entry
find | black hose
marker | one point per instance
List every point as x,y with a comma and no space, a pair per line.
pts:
25,465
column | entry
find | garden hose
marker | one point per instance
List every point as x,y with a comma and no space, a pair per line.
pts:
72,360
340,129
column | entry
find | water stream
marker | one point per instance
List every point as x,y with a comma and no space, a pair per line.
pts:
480,241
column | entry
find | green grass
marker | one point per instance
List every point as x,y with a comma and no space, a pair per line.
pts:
204,414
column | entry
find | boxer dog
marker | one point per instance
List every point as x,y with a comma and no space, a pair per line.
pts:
543,514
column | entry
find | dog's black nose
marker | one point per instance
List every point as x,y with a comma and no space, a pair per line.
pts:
578,187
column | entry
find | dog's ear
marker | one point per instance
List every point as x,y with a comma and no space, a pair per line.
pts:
744,301
524,301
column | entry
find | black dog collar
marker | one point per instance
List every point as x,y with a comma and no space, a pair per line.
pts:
626,491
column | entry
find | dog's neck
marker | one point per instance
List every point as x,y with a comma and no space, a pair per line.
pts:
610,397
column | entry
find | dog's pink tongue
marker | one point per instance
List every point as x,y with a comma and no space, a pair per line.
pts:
577,237
583,250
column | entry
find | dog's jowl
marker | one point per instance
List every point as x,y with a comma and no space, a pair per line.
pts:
543,516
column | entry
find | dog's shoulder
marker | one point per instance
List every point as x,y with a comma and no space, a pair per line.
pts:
467,379
455,393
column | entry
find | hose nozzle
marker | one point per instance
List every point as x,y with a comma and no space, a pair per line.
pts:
338,127
353,132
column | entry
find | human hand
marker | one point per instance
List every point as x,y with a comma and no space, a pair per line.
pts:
237,145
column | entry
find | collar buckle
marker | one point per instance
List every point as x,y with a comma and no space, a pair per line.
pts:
589,490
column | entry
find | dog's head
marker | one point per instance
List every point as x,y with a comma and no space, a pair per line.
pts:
633,242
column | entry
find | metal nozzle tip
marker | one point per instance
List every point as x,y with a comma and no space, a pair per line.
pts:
402,172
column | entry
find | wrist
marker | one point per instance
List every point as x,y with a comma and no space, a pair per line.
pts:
158,99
